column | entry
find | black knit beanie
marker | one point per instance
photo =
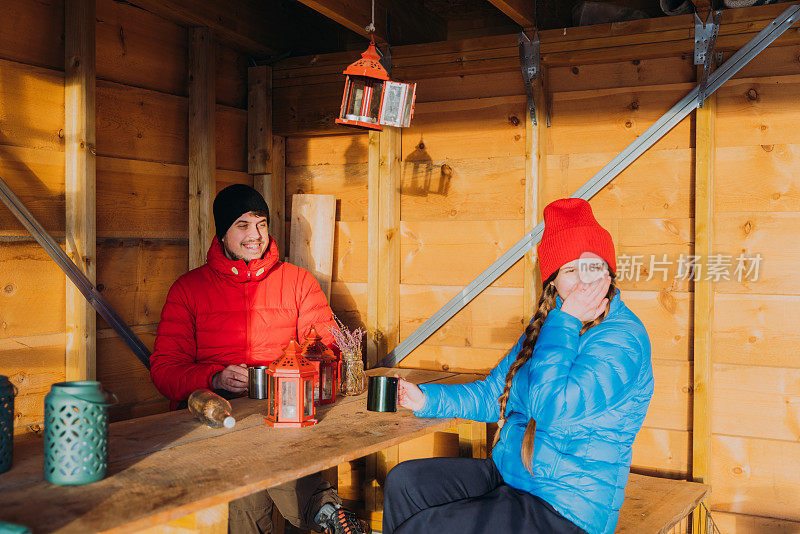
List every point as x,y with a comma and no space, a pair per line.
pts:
233,202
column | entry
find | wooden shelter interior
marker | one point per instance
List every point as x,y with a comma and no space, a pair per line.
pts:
193,95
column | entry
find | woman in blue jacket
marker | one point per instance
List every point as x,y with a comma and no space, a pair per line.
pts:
568,398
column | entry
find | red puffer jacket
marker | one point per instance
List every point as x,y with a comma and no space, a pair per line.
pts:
230,312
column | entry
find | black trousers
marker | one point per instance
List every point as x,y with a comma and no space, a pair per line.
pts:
464,496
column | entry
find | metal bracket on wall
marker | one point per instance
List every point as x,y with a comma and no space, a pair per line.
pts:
84,285
531,67
639,146
705,38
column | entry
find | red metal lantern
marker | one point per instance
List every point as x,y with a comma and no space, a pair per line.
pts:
327,365
363,90
290,391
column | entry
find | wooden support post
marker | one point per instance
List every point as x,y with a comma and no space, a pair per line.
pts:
266,153
373,231
383,304
259,120
534,174
389,241
79,137
705,149
202,140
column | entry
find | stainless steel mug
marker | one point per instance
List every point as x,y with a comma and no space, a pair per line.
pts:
382,394
257,381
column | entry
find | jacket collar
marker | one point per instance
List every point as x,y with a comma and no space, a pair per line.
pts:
238,270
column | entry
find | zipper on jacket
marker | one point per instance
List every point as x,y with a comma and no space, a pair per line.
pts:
246,324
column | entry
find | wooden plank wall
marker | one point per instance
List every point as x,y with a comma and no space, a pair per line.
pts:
142,185
462,205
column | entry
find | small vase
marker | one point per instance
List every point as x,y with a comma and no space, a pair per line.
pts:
353,379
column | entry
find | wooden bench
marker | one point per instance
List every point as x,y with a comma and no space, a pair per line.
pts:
166,466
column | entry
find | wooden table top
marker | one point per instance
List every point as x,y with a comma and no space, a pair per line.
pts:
165,466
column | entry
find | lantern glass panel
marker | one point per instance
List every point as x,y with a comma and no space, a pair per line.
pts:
326,376
375,101
271,395
356,98
309,393
289,401
405,120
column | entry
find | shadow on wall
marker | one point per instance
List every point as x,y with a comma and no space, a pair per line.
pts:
419,171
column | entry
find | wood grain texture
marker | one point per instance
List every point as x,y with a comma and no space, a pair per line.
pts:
327,150
493,320
455,252
37,178
80,182
703,382
662,452
259,120
757,178
135,276
755,401
756,330
759,233
608,120
350,252
761,111
27,276
33,32
469,189
32,381
173,441
389,239
141,198
202,135
138,48
33,107
753,524
643,512
347,182
755,477
312,236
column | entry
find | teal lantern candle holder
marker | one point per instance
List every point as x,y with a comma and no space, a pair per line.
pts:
76,432
7,394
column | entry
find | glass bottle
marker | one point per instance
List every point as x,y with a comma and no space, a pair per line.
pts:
211,409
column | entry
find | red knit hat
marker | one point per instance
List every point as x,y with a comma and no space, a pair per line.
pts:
570,229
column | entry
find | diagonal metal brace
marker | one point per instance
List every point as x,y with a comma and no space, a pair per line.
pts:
531,69
84,285
705,38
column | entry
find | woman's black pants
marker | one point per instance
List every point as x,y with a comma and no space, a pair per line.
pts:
464,496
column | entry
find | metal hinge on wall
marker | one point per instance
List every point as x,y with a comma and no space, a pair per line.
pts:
705,38
531,67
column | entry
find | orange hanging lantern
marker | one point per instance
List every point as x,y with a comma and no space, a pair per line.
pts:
371,99
290,391
327,366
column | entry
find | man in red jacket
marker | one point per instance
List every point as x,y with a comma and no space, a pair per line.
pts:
238,310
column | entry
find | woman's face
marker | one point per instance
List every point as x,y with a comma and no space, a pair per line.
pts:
587,269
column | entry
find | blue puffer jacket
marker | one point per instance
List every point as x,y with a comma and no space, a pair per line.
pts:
589,395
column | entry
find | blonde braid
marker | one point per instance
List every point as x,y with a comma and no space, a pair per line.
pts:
546,303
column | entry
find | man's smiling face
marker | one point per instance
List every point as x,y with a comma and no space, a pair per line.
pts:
247,238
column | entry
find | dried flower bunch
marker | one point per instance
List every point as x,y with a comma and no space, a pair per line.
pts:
347,341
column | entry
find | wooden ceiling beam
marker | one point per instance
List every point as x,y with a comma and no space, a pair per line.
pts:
245,25
408,21
523,12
